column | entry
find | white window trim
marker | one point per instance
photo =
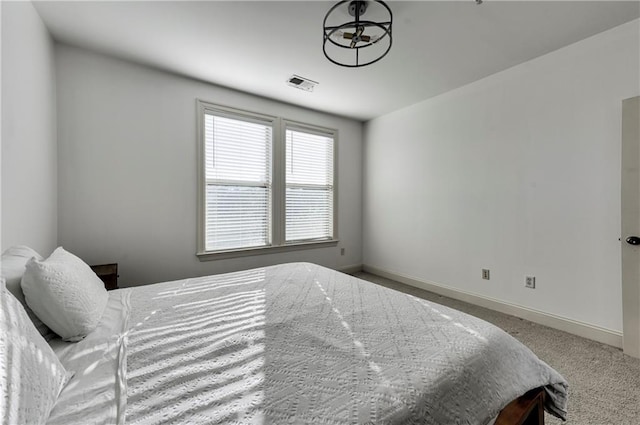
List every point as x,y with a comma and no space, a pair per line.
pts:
278,182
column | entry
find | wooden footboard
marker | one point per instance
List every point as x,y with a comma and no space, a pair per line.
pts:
525,410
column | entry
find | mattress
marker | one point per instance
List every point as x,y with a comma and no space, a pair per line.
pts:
293,344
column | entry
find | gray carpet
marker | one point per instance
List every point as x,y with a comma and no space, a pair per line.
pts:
604,383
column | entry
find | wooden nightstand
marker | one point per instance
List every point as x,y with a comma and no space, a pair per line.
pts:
108,273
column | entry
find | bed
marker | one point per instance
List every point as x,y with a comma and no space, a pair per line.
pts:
296,344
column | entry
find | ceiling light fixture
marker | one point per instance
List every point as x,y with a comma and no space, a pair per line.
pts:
357,42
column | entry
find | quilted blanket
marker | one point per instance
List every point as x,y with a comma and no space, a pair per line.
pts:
302,344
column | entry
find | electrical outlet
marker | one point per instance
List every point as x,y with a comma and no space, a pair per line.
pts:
341,251
485,274
530,282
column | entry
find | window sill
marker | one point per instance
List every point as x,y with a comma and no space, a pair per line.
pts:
246,252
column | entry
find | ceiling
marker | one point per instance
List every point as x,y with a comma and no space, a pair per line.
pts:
255,46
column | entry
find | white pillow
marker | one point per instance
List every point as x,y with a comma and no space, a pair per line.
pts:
65,294
13,262
31,376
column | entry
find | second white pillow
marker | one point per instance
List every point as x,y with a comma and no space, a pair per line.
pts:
65,294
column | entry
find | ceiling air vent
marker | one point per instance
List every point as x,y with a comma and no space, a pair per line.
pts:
301,83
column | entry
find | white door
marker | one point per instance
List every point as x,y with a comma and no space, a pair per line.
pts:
631,226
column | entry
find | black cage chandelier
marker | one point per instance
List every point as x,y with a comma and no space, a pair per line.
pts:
357,42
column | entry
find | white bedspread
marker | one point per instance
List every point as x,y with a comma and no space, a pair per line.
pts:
97,392
299,343
302,344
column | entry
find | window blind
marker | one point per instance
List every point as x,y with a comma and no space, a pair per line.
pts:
309,186
238,183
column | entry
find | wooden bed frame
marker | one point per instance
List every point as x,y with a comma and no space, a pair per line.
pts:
525,410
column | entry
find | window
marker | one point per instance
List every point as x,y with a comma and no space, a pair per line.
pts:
265,183
309,180
238,183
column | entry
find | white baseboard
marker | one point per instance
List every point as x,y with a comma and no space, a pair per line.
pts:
585,330
353,268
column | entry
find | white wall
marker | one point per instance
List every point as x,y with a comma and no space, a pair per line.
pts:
29,161
127,169
518,173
